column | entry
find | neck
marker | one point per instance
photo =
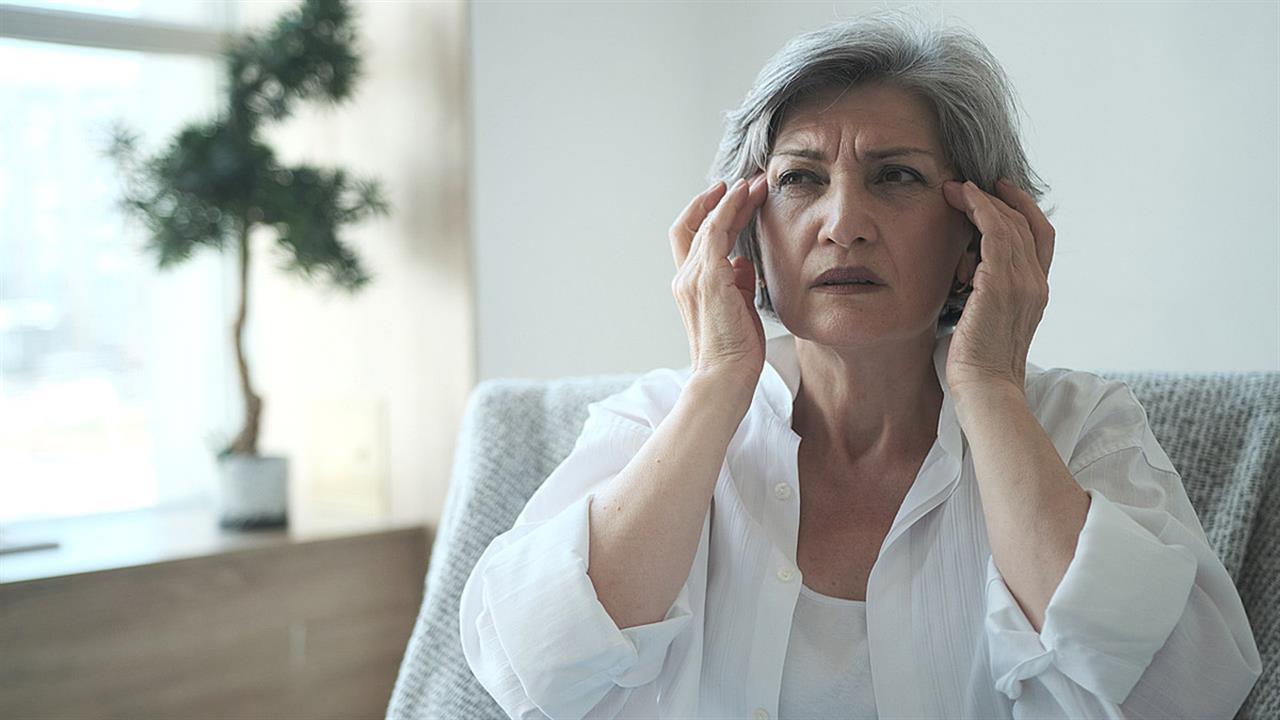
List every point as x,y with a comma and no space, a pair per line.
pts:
867,404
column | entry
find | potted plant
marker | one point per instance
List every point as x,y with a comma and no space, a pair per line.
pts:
216,181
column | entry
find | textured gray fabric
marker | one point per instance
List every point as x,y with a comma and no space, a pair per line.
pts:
1222,432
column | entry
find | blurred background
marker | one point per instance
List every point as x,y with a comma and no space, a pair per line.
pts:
533,155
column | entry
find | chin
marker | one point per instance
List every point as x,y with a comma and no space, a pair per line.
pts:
848,328
856,327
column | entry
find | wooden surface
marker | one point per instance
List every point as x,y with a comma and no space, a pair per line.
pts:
311,629
108,541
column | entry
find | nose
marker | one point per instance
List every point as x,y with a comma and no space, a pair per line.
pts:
846,214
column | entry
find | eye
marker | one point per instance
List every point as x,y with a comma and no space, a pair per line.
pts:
782,179
904,170
786,177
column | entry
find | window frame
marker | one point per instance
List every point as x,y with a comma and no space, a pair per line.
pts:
69,27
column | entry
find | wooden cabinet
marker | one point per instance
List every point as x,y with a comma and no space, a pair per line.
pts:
287,629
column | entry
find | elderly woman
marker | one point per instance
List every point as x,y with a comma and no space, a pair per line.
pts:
886,511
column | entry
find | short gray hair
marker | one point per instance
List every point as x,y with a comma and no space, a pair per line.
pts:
977,109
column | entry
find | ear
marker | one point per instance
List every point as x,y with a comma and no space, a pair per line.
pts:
968,264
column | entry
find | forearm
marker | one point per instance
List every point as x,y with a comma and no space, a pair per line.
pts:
645,525
1034,508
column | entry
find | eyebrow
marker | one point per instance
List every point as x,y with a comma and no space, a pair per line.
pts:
880,154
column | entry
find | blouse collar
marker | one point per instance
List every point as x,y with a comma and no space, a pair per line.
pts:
780,380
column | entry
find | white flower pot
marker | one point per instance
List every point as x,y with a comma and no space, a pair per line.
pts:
253,491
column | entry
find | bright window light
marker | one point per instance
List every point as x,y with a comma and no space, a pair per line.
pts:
114,375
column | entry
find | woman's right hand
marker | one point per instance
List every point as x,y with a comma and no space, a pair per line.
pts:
717,297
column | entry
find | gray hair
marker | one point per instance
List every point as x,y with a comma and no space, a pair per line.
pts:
977,111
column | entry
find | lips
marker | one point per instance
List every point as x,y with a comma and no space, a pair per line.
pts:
848,273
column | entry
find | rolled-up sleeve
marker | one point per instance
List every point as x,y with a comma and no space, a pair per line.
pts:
1146,621
533,629
555,633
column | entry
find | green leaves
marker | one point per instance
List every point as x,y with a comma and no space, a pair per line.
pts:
170,194
307,205
215,179
308,54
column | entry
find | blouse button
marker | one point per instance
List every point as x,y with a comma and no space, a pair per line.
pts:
782,490
762,714
785,574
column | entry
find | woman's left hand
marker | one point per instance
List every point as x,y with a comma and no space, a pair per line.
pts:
1010,288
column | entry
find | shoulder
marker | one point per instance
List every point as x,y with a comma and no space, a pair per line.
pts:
1088,416
1062,395
644,402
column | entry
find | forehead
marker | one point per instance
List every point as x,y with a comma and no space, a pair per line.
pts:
860,118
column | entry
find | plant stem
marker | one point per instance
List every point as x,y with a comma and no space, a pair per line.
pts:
246,443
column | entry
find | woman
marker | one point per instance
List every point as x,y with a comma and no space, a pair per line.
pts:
887,511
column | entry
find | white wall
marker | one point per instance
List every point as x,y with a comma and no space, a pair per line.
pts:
1154,123
365,393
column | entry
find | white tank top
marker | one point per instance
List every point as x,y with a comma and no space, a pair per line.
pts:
827,672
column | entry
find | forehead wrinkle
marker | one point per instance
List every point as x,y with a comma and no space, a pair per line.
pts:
878,151
810,138
889,127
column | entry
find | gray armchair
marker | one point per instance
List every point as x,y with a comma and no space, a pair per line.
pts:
1222,432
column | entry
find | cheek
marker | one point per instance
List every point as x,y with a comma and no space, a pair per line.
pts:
782,207
781,228
781,268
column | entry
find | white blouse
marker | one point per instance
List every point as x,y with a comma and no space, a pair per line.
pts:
1145,623
827,673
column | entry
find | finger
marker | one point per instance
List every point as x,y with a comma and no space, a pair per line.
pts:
684,230
744,207
1041,228
700,235
1025,246
757,190
993,223
690,219
715,229
744,275
984,217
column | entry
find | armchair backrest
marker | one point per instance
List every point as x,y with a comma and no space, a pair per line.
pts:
514,433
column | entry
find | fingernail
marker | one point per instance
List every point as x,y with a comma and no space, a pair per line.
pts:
970,184
713,187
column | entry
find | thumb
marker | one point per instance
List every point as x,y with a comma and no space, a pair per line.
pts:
744,276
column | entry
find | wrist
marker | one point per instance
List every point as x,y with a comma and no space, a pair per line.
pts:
728,391
976,399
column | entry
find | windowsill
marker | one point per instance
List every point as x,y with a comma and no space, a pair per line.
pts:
143,537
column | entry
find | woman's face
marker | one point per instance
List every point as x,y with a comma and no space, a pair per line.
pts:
844,206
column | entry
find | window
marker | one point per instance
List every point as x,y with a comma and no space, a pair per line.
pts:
116,378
